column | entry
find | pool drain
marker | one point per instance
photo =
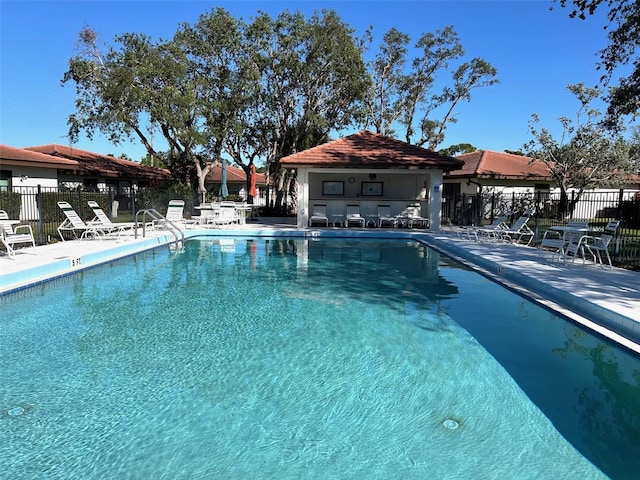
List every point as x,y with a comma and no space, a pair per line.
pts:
15,411
450,424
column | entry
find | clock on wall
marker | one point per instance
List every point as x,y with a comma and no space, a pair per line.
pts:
352,180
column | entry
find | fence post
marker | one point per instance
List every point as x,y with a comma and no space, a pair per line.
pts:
493,206
40,215
79,190
110,202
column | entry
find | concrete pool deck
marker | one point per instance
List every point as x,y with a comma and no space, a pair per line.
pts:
606,301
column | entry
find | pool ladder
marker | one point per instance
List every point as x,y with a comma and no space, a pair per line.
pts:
155,216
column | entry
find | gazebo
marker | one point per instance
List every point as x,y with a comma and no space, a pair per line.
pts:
368,169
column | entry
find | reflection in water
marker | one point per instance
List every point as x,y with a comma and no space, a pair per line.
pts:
589,389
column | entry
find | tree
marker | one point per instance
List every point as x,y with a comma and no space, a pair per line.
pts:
587,155
311,78
401,96
624,39
458,149
220,89
185,88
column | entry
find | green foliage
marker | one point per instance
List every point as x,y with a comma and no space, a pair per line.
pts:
458,149
406,93
624,33
10,202
587,154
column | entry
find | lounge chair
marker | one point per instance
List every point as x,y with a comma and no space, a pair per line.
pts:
353,216
175,212
472,231
515,233
11,236
595,246
101,219
74,224
319,215
385,217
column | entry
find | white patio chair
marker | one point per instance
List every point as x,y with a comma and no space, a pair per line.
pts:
353,216
515,233
594,245
227,215
319,215
11,236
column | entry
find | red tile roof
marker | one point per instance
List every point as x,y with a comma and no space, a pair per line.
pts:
102,165
18,156
234,175
488,164
367,150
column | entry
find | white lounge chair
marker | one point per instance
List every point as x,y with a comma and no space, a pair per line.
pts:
74,224
319,215
11,236
515,233
472,231
101,219
353,216
385,217
175,215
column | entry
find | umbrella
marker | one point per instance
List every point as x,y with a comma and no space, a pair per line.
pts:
252,182
224,191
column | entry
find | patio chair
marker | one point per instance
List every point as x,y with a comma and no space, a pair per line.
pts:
557,238
227,215
319,215
74,224
11,236
208,214
414,219
595,246
353,216
385,217
104,221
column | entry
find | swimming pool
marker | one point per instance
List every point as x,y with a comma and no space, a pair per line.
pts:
294,358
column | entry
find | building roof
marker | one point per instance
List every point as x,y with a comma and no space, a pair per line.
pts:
95,164
500,165
234,175
370,150
19,156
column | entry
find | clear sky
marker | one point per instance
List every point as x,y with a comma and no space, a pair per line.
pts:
537,52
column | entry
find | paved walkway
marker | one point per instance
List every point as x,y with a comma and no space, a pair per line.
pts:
607,301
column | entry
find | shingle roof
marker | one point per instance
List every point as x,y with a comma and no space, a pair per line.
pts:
488,164
11,155
102,165
371,150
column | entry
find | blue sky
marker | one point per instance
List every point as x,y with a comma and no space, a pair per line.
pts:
537,52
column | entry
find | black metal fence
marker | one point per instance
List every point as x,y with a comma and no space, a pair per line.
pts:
38,206
596,207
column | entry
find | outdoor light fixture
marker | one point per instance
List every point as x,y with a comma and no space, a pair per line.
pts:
372,176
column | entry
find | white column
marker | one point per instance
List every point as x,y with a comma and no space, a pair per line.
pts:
435,200
303,198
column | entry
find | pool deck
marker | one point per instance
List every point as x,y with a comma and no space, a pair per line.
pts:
606,301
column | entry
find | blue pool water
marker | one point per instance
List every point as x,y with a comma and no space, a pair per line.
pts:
289,358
